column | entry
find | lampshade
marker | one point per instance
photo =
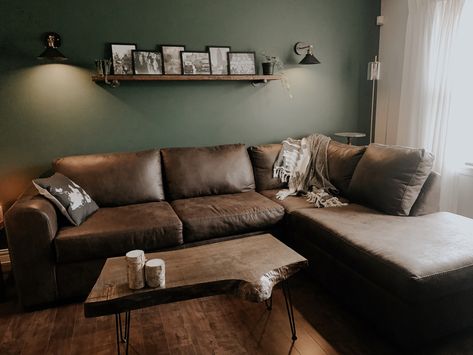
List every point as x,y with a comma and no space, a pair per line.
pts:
52,41
309,59
300,48
374,69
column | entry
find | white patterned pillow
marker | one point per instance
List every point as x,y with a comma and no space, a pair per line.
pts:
70,198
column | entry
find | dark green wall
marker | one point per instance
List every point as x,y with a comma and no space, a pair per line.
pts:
52,110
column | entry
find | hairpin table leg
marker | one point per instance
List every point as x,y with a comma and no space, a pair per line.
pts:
289,308
122,330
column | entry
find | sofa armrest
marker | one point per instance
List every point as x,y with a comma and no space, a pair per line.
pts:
428,200
31,225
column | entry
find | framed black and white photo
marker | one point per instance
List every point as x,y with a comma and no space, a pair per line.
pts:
147,62
241,63
122,58
195,63
172,59
218,59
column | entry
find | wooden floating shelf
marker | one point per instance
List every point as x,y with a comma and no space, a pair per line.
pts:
252,78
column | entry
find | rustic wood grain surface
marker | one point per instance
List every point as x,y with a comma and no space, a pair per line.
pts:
247,267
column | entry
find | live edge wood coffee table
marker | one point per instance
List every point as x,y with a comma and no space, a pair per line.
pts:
248,268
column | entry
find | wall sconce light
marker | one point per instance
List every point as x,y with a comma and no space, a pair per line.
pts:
300,48
52,42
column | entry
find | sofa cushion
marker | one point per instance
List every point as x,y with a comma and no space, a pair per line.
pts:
116,179
415,258
217,216
290,203
342,160
113,231
263,158
389,178
204,171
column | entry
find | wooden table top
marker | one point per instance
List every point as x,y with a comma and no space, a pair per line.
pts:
248,267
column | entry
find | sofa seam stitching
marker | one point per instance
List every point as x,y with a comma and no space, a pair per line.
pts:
235,215
442,272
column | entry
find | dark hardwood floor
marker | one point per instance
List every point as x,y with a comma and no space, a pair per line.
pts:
212,325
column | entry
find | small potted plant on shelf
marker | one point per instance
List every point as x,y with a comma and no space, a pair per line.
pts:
271,62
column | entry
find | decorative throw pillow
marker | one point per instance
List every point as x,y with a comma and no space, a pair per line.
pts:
70,198
390,178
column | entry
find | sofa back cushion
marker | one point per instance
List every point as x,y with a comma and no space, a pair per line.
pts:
204,171
342,160
116,179
263,158
390,178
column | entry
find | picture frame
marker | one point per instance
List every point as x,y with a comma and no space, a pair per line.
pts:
218,59
241,63
122,61
147,62
195,63
172,62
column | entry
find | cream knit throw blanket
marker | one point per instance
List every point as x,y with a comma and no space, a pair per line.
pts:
303,164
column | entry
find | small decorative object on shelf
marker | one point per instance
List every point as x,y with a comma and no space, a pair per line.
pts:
195,63
147,62
270,63
99,66
122,59
102,67
172,59
135,261
241,63
155,273
218,59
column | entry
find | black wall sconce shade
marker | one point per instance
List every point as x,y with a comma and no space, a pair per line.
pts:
52,41
300,48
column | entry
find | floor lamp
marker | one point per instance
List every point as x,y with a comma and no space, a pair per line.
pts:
373,75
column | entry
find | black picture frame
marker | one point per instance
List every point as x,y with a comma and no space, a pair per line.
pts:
172,65
195,66
122,59
216,67
232,65
152,64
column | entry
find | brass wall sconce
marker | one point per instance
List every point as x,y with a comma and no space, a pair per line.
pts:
300,48
52,42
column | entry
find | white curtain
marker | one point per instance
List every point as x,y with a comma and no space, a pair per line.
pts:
436,105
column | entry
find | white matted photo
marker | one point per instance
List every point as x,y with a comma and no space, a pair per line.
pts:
147,62
218,59
241,63
195,63
172,59
122,58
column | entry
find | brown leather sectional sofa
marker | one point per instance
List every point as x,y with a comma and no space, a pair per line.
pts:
412,276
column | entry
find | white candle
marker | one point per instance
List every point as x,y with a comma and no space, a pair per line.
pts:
135,260
155,273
